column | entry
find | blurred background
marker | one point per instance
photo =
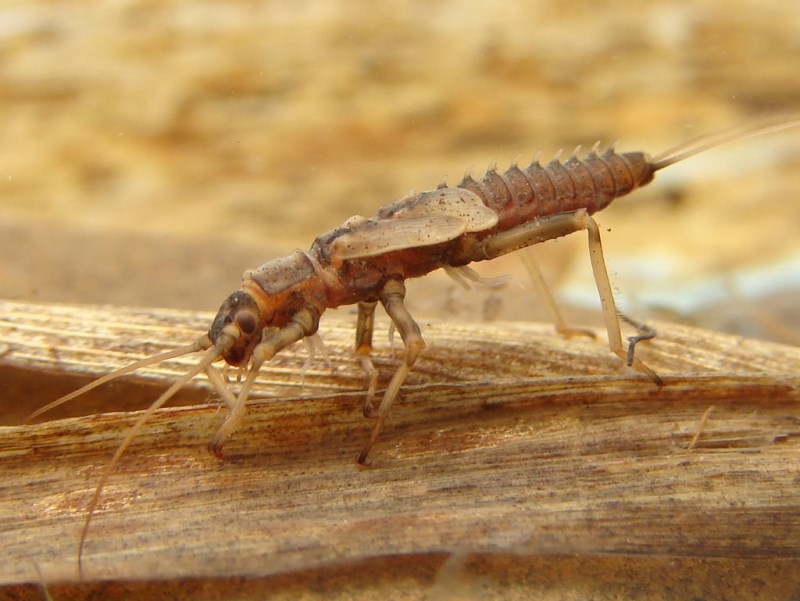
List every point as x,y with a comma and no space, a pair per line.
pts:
150,152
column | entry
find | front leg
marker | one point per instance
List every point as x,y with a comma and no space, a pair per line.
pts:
303,323
391,297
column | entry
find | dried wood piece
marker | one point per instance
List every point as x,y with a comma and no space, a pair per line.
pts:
506,438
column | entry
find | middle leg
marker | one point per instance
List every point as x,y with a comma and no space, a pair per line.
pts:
391,297
365,326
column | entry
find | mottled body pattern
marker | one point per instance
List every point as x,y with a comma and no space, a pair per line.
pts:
365,261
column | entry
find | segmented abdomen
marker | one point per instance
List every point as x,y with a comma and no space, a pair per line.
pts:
522,195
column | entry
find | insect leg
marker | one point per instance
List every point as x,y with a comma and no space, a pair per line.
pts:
391,298
537,277
610,315
303,323
364,328
219,384
556,226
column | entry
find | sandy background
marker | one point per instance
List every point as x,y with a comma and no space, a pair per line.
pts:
152,151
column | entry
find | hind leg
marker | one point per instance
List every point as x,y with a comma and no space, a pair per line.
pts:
555,226
537,277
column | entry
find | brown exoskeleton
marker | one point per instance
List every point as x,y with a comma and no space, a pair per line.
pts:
365,261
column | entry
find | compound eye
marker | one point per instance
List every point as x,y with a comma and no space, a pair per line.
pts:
246,321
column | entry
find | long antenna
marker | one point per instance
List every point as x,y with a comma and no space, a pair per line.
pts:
211,355
200,344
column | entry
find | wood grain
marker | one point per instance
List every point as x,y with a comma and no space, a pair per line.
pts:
507,440
153,151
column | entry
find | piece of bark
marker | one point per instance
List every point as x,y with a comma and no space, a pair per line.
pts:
506,439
